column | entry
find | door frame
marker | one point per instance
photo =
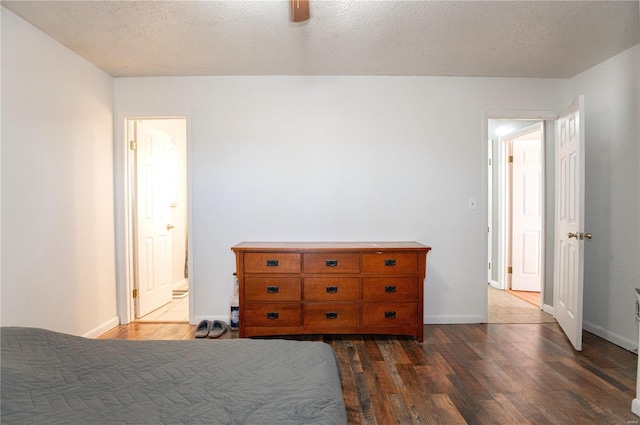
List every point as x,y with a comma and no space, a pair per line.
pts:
486,116
123,187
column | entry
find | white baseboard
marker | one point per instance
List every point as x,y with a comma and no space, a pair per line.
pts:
451,320
496,285
635,407
199,319
614,338
179,283
548,309
105,327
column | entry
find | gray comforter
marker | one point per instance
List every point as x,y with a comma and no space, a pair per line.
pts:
53,378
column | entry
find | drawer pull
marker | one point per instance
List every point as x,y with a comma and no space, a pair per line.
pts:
332,289
272,289
331,314
390,262
389,314
331,263
389,289
272,263
272,315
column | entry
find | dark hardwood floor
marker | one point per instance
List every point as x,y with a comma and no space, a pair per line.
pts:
469,374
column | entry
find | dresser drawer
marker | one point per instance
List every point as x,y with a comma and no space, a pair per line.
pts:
332,262
272,288
390,262
330,315
275,262
390,289
332,289
272,314
389,314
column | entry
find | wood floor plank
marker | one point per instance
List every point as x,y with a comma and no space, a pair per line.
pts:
447,412
433,381
515,415
389,360
416,398
384,381
367,414
373,350
528,409
487,376
414,353
378,382
380,387
349,390
400,410
435,359
492,413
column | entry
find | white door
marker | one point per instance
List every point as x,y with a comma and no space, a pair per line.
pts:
490,213
153,219
526,215
569,253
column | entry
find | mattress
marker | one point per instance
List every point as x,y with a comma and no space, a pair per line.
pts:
53,378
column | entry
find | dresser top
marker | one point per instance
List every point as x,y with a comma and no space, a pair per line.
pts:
329,246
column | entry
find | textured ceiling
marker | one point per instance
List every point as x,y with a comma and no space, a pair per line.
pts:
463,38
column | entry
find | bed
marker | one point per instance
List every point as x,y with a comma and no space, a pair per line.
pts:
53,378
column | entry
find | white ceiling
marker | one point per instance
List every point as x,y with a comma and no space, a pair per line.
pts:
554,39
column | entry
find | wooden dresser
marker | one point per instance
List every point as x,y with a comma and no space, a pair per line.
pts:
291,288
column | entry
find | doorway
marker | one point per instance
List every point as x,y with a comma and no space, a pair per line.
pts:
517,203
158,236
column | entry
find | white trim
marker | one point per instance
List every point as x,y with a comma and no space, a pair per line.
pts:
614,338
490,160
504,216
199,319
484,219
496,285
105,327
178,283
548,309
635,407
122,178
453,319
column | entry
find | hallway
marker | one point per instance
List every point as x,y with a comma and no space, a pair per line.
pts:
506,308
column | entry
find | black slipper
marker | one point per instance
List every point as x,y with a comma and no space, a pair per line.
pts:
203,328
217,328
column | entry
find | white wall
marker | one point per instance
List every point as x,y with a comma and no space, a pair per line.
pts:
58,265
612,269
341,158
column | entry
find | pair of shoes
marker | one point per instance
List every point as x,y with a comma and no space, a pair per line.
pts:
211,329
203,328
217,328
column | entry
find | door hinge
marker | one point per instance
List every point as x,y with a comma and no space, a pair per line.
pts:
509,269
510,158
489,266
489,161
135,293
133,145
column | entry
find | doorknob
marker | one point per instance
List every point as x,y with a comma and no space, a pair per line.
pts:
572,235
170,226
585,235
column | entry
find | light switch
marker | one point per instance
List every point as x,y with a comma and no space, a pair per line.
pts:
473,203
